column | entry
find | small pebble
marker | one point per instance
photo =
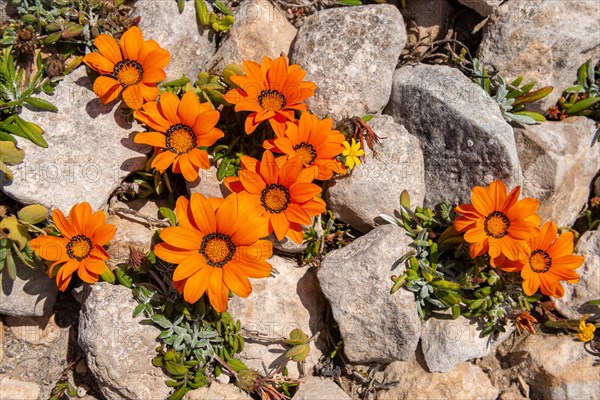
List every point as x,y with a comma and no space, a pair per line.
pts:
223,378
81,368
82,390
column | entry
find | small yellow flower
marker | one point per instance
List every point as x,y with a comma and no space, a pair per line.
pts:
352,153
585,332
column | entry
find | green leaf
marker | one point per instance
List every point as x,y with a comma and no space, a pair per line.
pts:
181,5
533,96
583,105
222,7
575,89
15,231
298,353
169,214
10,154
297,337
31,132
236,364
162,321
41,103
582,74
33,214
350,2
11,268
7,137
202,12
533,115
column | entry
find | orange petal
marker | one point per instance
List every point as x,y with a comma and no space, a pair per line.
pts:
255,269
217,291
155,139
181,237
280,225
99,63
463,224
523,209
203,214
199,158
570,262
189,266
295,213
79,215
522,230
235,280
497,193
158,58
546,236
173,254
227,214
256,252
303,192
209,138
108,47
104,234
196,285
251,181
108,89
531,285
190,173
189,109
481,201
205,122
562,246
163,160
65,227
133,97
131,42
168,105
94,266
49,247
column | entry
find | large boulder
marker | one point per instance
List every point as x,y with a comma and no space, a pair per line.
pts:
375,325
289,299
90,150
463,381
558,166
447,342
542,40
464,138
375,187
556,368
31,294
191,45
260,30
574,303
119,349
351,54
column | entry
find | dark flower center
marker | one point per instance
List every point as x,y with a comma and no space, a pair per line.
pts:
496,225
540,261
128,73
307,152
275,198
180,139
271,100
217,249
79,247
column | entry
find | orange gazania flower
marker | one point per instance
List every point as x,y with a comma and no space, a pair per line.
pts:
314,141
547,261
497,223
271,91
182,127
281,191
217,248
133,68
80,248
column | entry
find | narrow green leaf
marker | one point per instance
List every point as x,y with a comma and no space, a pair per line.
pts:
222,7
181,5
202,12
535,116
582,74
169,214
31,132
533,96
41,103
350,2
583,105
11,267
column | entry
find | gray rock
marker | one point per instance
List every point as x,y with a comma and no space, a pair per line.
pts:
464,381
35,330
483,7
118,348
558,166
217,391
260,30
313,387
90,150
208,184
464,138
288,300
11,388
32,294
375,326
190,44
556,367
447,342
543,40
429,13
597,186
375,186
351,54
573,303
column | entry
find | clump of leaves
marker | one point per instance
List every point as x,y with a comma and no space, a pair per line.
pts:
583,98
219,22
512,97
326,234
300,348
15,237
443,277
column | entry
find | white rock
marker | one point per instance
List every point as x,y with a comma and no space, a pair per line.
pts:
208,184
34,330
558,166
350,53
217,391
191,45
119,350
289,300
464,138
260,30
18,390
556,367
483,7
375,325
32,294
447,342
313,388
375,186
90,150
543,40
464,381
572,304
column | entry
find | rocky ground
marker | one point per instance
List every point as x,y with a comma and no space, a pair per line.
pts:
442,135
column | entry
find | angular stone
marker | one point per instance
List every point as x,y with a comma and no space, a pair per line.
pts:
34,330
543,40
16,389
573,303
483,7
558,166
260,30
288,300
217,391
32,294
111,338
313,387
464,381
90,150
375,325
351,54
375,186
447,342
556,367
191,45
464,138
